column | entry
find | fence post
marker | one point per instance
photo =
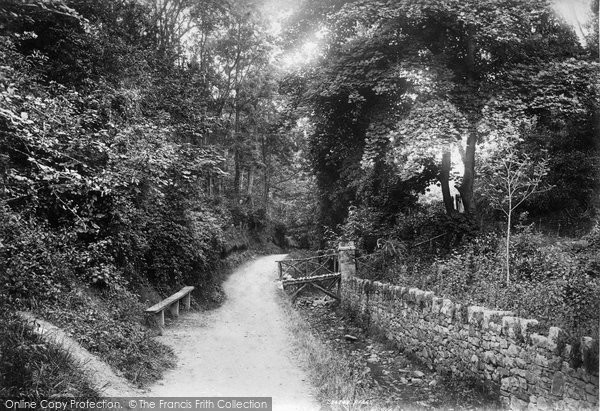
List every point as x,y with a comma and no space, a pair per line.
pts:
346,259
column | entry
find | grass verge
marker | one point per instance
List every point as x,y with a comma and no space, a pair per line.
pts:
339,383
110,325
34,369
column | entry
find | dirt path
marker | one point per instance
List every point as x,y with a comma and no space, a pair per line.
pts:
241,349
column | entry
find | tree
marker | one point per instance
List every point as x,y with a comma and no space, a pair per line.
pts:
509,176
430,128
242,83
384,59
563,96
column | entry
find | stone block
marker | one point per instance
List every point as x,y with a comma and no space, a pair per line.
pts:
542,403
531,377
494,316
475,315
490,357
591,389
436,304
587,344
385,290
519,372
556,335
540,341
520,363
411,295
558,384
517,404
420,297
526,325
447,308
532,402
540,360
555,362
522,383
511,327
403,292
506,383
513,350
459,314
474,341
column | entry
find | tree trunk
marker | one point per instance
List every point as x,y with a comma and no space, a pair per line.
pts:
468,157
444,179
508,243
266,175
466,187
267,181
237,174
250,182
236,157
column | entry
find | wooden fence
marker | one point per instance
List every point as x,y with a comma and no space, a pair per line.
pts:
320,272
308,267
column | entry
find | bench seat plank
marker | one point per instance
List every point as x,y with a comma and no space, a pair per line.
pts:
156,308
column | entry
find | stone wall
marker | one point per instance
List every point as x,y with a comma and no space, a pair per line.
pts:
530,370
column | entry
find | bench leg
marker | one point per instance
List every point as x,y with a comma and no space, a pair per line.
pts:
160,318
174,309
187,301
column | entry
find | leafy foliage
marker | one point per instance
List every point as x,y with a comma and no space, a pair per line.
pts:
121,164
510,175
403,83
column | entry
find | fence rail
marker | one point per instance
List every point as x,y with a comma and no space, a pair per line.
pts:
308,267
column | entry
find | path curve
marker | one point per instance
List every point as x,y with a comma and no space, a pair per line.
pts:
241,349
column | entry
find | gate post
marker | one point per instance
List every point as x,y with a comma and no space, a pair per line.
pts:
346,259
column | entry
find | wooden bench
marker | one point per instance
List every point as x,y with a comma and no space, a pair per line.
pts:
172,303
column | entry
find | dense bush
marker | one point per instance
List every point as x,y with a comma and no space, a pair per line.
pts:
36,264
426,227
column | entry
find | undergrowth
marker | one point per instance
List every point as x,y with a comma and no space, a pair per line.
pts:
555,282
